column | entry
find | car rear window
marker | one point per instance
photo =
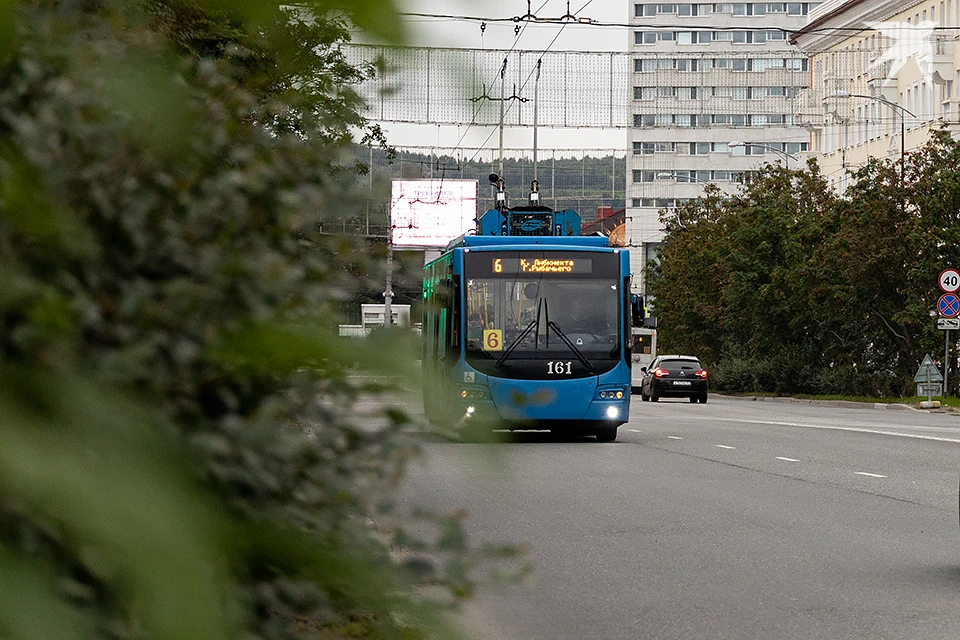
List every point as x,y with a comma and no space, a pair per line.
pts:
679,365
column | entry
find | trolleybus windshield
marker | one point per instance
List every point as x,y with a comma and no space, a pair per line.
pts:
542,314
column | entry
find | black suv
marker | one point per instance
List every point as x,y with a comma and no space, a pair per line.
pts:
674,377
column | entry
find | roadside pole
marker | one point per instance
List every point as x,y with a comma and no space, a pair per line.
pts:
946,362
948,308
388,291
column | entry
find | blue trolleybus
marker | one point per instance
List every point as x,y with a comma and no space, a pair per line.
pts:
528,332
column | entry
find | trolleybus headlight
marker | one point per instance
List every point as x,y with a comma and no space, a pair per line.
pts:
613,412
463,394
619,395
470,411
603,395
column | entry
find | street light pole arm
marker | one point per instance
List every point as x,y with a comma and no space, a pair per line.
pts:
876,98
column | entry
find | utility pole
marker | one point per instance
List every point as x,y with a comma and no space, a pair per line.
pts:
388,292
503,81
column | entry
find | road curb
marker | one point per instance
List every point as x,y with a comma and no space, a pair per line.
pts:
846,404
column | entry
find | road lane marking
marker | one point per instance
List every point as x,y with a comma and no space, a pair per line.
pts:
787,459
723,446
853,429
634,430
675,437
869,475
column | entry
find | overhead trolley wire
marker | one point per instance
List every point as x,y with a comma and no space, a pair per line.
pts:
536,69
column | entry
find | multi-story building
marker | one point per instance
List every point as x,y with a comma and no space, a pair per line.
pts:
714,86
883,72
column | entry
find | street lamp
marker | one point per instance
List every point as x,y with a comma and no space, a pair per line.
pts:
669,175
788,156
903,114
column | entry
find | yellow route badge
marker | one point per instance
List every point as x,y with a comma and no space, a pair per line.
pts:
493,340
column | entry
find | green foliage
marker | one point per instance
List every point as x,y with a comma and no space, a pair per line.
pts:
786,287
179,458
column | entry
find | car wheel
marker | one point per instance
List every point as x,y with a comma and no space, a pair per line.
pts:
644,396
654,398
605,434
703,399
693,399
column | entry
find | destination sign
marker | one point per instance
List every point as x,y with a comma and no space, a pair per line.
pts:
550,264
542,265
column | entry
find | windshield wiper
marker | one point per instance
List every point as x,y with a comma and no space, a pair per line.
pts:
533,326
553,325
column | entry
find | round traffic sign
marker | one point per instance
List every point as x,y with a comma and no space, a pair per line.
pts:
948,305
949,280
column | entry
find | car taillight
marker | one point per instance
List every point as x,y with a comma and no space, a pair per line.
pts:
659,373
702,373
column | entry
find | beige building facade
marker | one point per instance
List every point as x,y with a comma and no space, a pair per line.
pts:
882,74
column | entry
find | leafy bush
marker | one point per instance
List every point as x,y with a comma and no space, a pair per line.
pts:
179,456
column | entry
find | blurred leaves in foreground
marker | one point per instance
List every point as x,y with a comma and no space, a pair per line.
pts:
180,454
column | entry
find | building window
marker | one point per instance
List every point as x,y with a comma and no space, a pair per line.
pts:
645,37
644,93
797,147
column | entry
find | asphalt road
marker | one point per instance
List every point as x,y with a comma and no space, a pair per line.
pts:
731,520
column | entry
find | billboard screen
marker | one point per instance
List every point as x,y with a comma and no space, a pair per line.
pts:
431,213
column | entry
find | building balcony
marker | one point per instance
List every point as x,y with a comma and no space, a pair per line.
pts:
937,59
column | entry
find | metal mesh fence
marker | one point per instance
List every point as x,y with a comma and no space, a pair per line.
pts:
576,89
578,179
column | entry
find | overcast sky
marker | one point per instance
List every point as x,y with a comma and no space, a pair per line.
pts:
453,32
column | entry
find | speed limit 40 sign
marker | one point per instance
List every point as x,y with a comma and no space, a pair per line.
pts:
949,280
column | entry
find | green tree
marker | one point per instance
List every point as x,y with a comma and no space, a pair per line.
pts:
688,279
179,459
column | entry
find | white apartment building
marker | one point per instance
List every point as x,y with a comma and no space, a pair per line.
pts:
706,75
883,73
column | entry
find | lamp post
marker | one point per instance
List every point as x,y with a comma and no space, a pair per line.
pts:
787,156
903,114
669,175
